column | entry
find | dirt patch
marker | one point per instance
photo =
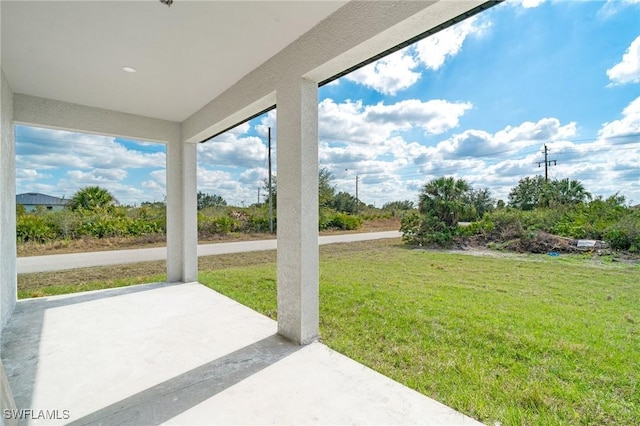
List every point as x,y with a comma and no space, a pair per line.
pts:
543,242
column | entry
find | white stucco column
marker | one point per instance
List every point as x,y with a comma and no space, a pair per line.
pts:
297,149
182,226
190,212
8,271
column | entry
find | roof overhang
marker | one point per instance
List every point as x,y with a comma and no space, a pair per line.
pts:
202,65
185,55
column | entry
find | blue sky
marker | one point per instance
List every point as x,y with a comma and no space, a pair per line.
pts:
476,101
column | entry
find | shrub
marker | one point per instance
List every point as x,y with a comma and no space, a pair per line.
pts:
258,223
216,224
101,226
324,218
65,222
30,227
154,215
345,221
410,228
474,228
624,234
506,224
591,220
425,230
137,227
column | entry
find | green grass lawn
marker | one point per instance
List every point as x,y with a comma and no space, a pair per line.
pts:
517,339
520,340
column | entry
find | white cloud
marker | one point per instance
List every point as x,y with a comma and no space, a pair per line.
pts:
434,50
611,7
353,121
267,121
367,140
346,155
400,70
388,75
475,143
227,186
253,176
46,149
629,124
628,69
234,164
30,175
67,161
230,149
528,4
156,186
45,188
100,177
434,116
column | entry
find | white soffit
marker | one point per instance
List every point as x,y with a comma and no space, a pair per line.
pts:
184,55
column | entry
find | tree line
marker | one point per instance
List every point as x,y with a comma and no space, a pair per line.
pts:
560,207
93,212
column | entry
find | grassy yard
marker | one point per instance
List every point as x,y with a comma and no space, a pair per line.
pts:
514,339
520,340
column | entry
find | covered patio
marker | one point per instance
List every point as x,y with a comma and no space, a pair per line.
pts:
179,352
184,354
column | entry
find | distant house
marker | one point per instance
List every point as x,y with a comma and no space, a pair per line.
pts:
31,200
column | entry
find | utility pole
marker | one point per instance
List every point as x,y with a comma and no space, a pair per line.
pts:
258,196
547,163
270,189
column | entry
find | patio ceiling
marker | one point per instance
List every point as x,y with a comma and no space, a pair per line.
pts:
185,55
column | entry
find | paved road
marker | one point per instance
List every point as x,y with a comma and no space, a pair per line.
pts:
58,262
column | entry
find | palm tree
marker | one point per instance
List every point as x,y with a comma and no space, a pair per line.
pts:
444,198
567,191
92,198
534,192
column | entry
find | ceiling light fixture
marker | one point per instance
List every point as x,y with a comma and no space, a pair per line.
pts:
128,69
167,2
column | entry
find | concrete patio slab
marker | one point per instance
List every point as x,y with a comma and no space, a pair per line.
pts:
184,354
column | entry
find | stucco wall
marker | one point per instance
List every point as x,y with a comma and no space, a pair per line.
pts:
41,112
7,205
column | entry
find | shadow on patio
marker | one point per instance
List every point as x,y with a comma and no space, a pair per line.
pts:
184,354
